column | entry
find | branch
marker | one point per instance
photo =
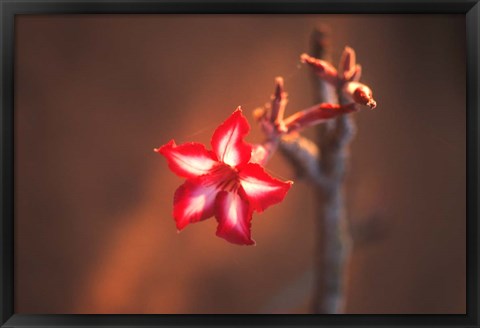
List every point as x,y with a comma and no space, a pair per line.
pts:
338,93
332,238
303,155
300,152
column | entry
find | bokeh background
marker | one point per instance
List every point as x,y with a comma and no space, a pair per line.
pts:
94,94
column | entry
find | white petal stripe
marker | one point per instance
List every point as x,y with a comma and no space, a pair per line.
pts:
230,155
253,186
194,164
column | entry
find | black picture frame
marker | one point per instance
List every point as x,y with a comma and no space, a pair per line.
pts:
10,8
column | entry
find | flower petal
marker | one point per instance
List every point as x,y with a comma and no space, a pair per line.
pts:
188,160
234,217
261,189
195,200
227,140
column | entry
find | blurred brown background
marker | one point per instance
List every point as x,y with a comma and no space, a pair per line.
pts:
95,94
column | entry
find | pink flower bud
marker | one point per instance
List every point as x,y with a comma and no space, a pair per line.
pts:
359,93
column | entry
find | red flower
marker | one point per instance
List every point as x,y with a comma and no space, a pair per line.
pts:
223,182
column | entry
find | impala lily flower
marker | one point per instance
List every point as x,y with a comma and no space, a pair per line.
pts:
223,183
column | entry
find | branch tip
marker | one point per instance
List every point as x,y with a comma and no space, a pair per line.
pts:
372,104
279,81
304,57
259,113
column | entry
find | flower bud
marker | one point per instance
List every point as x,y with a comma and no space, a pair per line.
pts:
359,93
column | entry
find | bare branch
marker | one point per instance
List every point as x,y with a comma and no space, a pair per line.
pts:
332,238
338,93
303,155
